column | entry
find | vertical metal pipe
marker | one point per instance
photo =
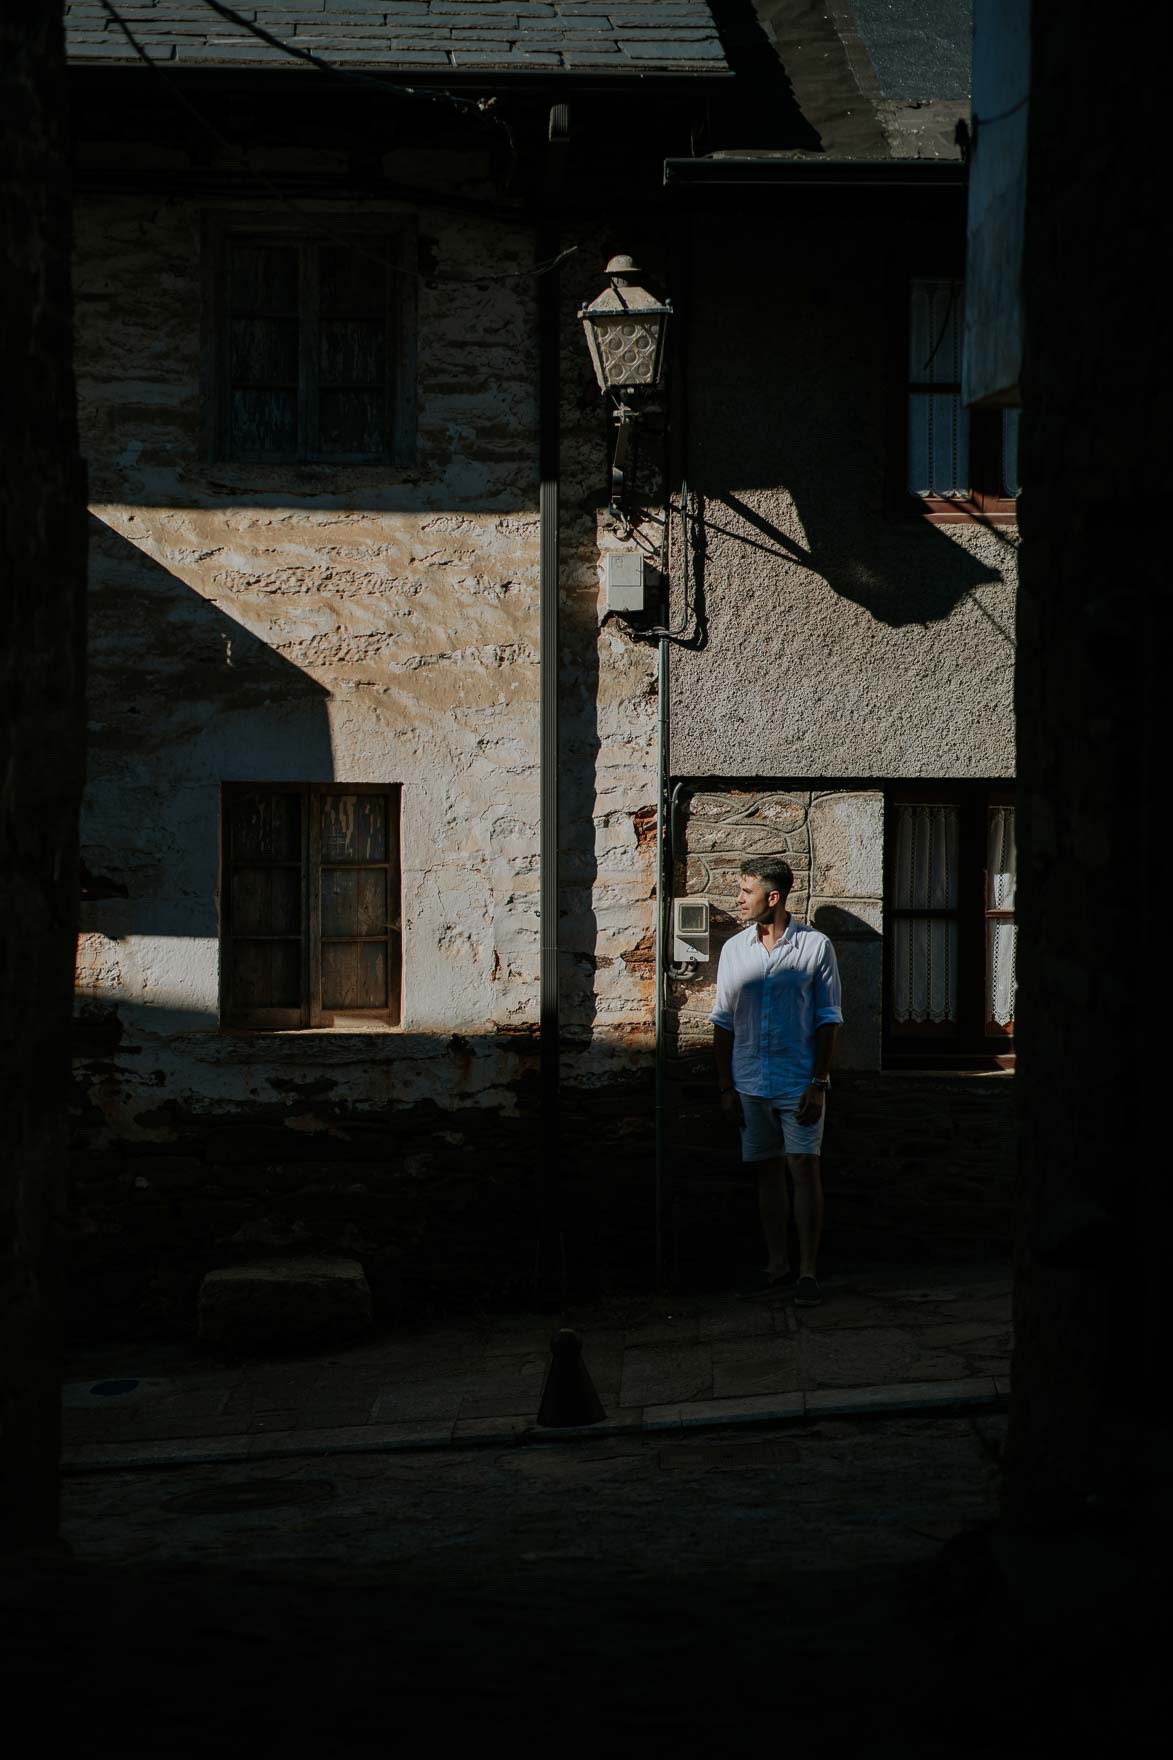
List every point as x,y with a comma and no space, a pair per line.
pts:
551,1248
662,883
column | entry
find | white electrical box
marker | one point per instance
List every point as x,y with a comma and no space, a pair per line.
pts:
690,930
626,575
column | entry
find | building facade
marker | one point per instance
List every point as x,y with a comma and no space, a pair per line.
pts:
311,371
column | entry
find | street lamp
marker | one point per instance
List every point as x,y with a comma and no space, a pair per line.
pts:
625,331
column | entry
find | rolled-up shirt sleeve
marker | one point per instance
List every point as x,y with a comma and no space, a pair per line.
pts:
828,992
721,1013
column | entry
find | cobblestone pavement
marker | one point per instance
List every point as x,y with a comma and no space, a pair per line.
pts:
834,1495
817,1586
878,1342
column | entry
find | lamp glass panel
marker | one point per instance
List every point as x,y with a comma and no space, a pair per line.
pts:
629,348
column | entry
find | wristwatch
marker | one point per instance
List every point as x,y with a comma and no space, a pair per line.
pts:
823,1082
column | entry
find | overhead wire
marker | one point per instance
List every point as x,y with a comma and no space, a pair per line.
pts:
480,107
310,218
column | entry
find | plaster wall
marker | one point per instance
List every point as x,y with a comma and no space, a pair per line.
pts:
311,624
350,624
842,641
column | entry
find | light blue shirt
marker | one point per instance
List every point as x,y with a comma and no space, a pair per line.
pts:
773,1002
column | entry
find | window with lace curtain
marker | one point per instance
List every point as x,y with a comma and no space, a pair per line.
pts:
951,936
959,462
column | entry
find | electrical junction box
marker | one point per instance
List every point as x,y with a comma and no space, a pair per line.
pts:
690,930
631,582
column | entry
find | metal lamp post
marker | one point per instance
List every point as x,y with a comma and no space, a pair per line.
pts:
625,330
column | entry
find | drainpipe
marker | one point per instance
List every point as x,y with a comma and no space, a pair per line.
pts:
664,858
661,924
550,1274
667,633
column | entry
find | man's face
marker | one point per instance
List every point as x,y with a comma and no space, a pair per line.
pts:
755,903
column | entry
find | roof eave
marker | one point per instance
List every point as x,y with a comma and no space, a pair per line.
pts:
764,170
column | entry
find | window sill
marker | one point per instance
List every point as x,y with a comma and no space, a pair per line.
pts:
968,1066
345,1029
304,476
960,513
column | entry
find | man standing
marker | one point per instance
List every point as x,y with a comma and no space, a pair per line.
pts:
775,1022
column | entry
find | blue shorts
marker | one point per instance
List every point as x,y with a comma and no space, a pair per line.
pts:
772,1129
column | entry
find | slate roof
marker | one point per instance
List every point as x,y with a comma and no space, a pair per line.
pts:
918,48
591,36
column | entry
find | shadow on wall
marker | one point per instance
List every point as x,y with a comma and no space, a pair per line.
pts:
190,699
415,1153
814,362
912,575
859,953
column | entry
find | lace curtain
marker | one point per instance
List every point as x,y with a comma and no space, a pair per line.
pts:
924,953
1001,933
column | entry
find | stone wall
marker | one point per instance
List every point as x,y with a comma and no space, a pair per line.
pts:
1091,1258
42,763
308,623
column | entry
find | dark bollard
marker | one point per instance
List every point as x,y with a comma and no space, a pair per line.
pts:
569,1396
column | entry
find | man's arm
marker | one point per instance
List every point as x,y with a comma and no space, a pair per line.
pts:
723,1053
814,1099
825,1038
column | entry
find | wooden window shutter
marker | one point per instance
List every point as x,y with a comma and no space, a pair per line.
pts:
263,908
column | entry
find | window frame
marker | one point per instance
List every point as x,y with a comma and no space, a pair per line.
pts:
985,504
969,1043
309,1014
398,231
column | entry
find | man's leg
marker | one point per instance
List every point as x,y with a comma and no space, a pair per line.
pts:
774,1205
808,1210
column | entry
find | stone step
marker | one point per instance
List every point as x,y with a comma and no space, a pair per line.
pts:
283,1302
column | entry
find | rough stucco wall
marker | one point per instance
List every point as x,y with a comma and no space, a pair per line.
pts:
309,624
350,624
842,642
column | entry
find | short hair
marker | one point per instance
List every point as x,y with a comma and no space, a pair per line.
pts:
774,871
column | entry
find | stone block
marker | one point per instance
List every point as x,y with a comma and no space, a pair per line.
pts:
847,834
282,1303
715,807
709,838
849,919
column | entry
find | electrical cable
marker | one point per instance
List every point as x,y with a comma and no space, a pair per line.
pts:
467,105
481,108
670,632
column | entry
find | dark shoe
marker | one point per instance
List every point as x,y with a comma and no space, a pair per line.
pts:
760,1283
807,1293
